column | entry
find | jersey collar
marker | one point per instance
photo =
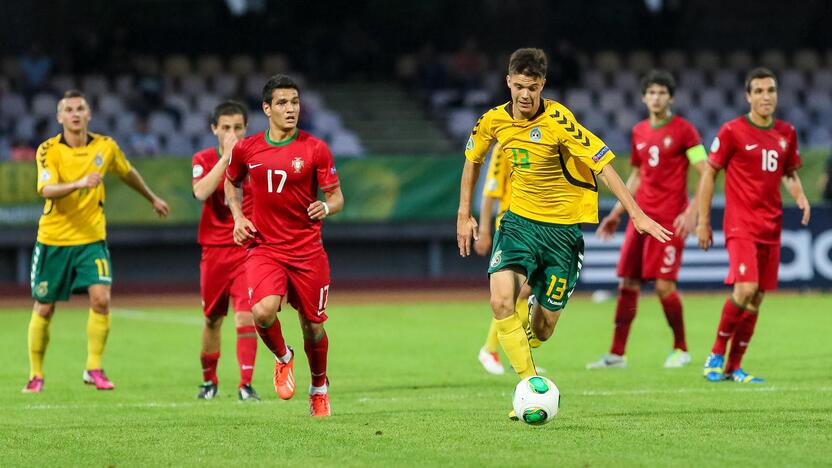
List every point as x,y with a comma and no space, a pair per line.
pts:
63,140
751,122
540,110
280,143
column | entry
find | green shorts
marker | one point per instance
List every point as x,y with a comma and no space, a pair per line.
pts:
550,254
58,271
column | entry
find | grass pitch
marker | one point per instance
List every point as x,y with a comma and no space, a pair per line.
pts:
407,389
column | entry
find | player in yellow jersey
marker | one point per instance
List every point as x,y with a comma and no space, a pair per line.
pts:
497,190
554,162
71,253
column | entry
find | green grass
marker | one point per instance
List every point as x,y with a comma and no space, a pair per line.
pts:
407,390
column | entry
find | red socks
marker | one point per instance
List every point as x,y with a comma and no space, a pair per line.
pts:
273,338
246,352
316,353
742,336
672,306
731,313
625,312
209,366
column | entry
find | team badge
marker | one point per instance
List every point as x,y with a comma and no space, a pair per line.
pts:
42,289
470,145
535,135
668,141
497,258
297,164
715,145
783,144
99,160
332,170
45,175
198,170
742,269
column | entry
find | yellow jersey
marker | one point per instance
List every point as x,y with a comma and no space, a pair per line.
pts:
497,182
552,158
78,217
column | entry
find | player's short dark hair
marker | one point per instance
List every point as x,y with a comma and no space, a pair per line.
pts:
756,74
229,108
658,77
70,93
278,82
529,62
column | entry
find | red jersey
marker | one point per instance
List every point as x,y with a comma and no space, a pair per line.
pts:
755,160
284,181
216,225
660,154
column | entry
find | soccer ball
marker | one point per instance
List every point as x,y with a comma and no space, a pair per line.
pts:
536,400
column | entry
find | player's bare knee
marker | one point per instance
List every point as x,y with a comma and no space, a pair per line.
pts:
502,306
664,287
213,322
744,293
45,310
244,319
265,311
100,302
630,283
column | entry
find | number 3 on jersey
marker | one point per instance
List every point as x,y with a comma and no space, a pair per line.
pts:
653,161
276,173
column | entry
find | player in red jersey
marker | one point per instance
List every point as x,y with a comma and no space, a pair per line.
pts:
286,167
757,151
663,146
222,271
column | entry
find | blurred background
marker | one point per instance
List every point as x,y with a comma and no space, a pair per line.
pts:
394,88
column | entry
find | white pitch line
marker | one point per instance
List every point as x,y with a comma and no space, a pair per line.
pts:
160,317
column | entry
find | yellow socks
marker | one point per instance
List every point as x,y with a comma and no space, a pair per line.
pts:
491,341
98,326
515,345
38,339
521,308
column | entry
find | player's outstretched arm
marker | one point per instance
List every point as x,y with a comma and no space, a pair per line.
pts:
136,182
483,243
206,186
243,229
466,225
704,196
608,225
795,188
54,191
321,209
685,223
642,222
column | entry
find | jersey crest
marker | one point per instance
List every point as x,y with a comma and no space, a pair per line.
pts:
297,164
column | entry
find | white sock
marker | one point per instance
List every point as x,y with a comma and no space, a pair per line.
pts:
286,357
316,390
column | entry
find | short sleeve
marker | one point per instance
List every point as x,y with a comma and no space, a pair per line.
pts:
793,161
635,159
690,136
119,163
198,167
325,169
236,170
583,144
497,175
47,164
721,148
481,138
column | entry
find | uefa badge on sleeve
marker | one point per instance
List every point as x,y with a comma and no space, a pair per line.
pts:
470,145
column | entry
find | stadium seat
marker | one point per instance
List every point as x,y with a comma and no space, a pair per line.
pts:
706,60
806,60
818,99
44,105
673,60
274,63
205,103
625,118
176,66
794,79
94,85
610,100
740,61
176,144
607,61
798,116
683,99
476,98
594,80
820,136
179,102
257,121
161,123
773,59
242,65
194,125
711,98
148,64
208,65
24,127
625,79
62,82
640,61
460,122
224,84
726,79
208,140
253,85
109,104
12,105
692,78
346,143
125,123
822,78
193,84
124,85
579,100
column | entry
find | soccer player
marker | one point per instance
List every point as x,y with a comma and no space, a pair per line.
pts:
497,190
222,270
757,151
286,167
554,162
663,146
71,253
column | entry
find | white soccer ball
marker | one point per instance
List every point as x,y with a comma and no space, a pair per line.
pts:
536,400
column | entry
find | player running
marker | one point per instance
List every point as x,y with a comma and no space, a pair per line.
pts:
222,269
286,167
663,146
554,162
757,151
71,253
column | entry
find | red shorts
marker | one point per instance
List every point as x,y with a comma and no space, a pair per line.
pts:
222,275
644,257
753,262
304,283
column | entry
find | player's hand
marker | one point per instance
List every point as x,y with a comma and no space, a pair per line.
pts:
317,210
705,235
466,229
803,204
645,225
607,226
160,207
685,223
243,230
228,142
91,180
483,244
